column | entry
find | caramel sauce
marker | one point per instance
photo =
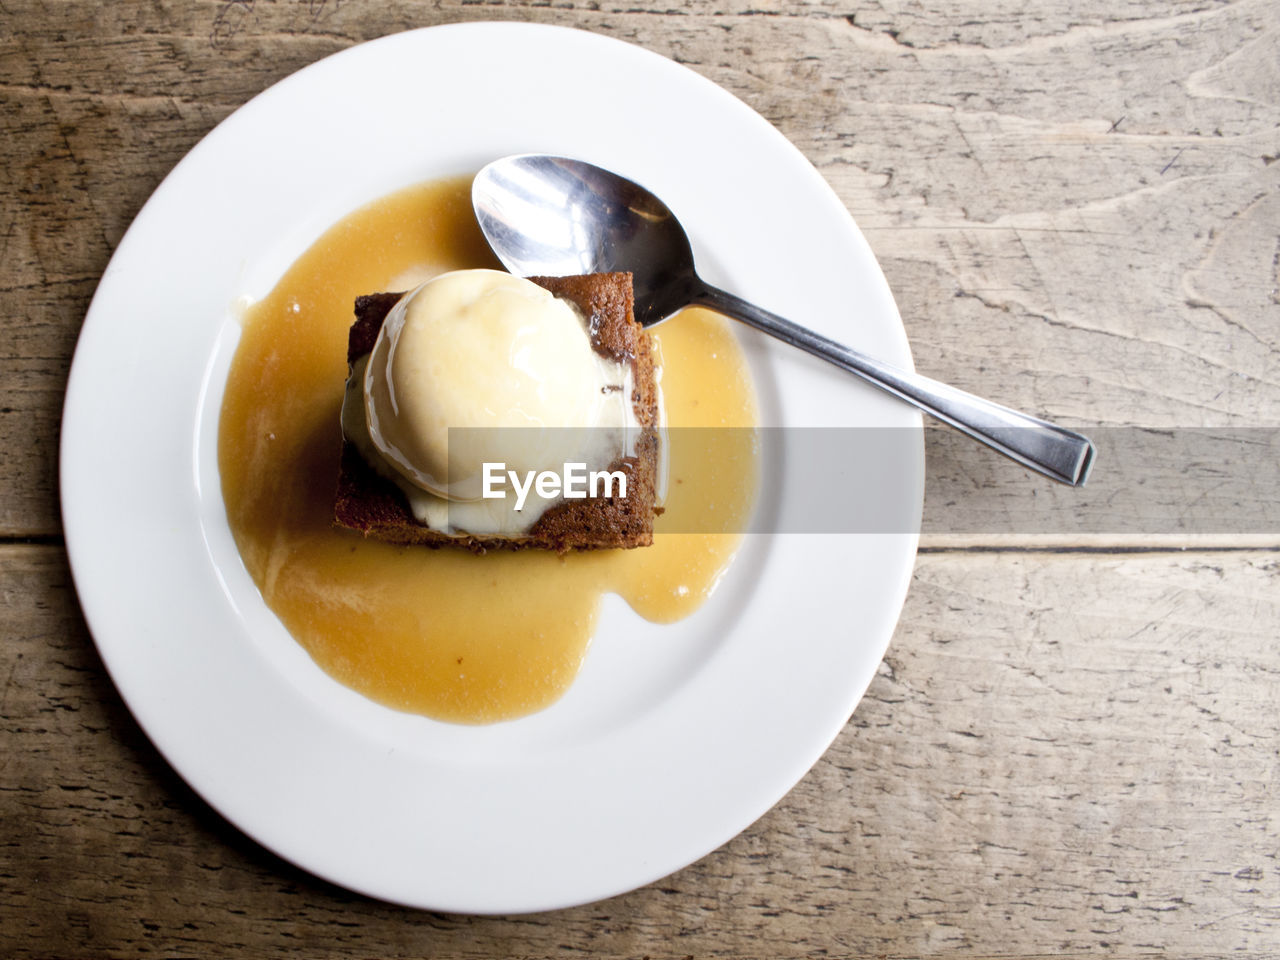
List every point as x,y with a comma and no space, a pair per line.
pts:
457,637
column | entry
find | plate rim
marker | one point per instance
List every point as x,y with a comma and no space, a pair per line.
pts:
78,551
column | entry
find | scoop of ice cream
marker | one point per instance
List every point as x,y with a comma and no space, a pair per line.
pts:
489,355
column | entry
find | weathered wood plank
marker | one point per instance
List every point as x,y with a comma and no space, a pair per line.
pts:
1063,754
1076,205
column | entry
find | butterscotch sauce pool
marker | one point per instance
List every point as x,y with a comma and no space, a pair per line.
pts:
446,633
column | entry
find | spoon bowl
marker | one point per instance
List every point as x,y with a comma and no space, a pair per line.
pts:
555,216
552,216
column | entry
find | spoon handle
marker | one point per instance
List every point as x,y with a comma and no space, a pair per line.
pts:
1045,447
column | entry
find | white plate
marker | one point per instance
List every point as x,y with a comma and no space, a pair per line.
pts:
674,738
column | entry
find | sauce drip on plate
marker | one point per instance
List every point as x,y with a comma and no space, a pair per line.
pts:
457,637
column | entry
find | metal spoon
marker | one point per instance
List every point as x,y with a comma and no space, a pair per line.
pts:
546,215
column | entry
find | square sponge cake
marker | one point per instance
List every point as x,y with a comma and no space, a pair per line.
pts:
369,503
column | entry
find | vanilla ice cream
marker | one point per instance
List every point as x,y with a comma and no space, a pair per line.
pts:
488,351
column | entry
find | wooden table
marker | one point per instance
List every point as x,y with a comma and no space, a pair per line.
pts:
1071,748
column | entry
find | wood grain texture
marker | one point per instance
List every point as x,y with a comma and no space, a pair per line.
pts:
1071,747
1076,207
1063,754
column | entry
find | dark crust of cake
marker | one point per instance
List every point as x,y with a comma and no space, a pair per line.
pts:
374,506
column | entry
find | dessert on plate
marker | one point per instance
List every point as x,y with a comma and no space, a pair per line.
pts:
447,633
463,390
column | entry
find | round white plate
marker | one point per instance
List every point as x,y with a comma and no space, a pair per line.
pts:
674,738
